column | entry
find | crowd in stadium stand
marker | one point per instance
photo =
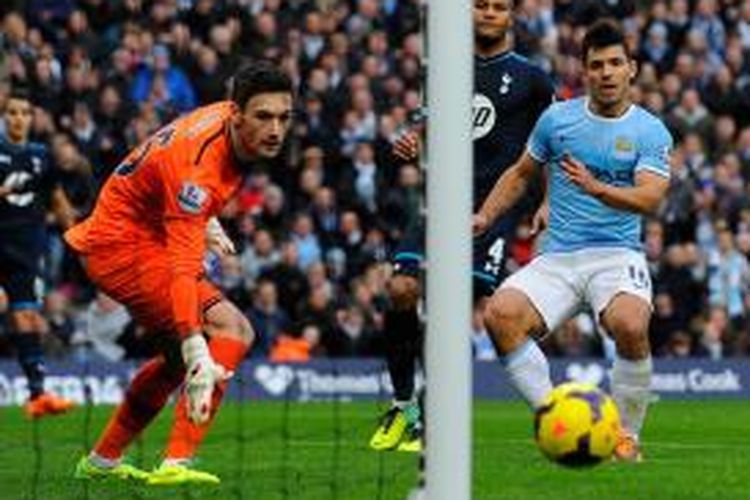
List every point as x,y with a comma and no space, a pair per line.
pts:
314,230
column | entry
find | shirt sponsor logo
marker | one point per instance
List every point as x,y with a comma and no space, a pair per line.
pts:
484,116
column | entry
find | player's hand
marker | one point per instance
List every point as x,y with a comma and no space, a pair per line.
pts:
540,220
479,224
5,191
407,146
217,240
201,378
581,176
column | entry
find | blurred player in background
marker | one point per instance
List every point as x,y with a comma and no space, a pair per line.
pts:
144,245
509,95
608,164
28,187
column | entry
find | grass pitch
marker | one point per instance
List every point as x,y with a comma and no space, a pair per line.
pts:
694,450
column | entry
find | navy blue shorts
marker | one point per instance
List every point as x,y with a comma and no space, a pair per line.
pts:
21,252
489,255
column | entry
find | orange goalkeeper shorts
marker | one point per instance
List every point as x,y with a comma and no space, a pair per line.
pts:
139,277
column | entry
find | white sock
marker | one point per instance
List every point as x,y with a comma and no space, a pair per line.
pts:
402,404
631,381
104,463
167,462
528,370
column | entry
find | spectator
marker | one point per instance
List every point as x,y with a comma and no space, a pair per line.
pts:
290,281
728,276
104,321
165,85
680,345
259,257
665,324
306,241
353,336
691,116
268,318
714,335
61,323
365,180
208,81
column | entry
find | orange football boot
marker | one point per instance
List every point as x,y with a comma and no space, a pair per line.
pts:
628,449
47,404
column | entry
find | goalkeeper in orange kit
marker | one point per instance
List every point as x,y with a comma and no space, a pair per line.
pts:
144,244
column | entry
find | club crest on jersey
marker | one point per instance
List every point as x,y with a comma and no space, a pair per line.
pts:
192,198
36,164
624,145
506,80
624,149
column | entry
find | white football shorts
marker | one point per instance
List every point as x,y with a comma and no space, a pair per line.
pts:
562,284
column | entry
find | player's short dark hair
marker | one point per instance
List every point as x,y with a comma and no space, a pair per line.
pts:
603,33
258,78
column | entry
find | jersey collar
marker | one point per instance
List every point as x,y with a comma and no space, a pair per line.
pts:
493,59
606,119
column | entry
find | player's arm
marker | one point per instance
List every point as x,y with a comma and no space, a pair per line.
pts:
186,246
514,181
651,176
62,209
408,146
185,221
506,192
644,197
540,220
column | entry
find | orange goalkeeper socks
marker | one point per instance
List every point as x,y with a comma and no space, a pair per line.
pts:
186,435
145,397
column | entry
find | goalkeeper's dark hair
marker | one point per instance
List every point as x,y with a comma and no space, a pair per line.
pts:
603,33
255,78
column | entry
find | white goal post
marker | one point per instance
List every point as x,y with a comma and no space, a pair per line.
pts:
449,156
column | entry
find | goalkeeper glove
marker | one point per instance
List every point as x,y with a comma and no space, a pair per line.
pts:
202,376
217,240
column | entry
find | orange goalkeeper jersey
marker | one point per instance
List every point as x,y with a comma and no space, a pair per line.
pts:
163,194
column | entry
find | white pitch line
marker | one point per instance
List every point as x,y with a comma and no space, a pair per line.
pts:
646,443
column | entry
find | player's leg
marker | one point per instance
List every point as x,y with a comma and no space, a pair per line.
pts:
627,318
146,395
489,253
134,279
535,299
404,347
230,336
27,324
621,294
19,258
404,341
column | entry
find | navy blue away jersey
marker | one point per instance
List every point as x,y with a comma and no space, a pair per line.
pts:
509,95
27,170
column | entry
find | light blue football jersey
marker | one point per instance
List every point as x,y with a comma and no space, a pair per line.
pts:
613,149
